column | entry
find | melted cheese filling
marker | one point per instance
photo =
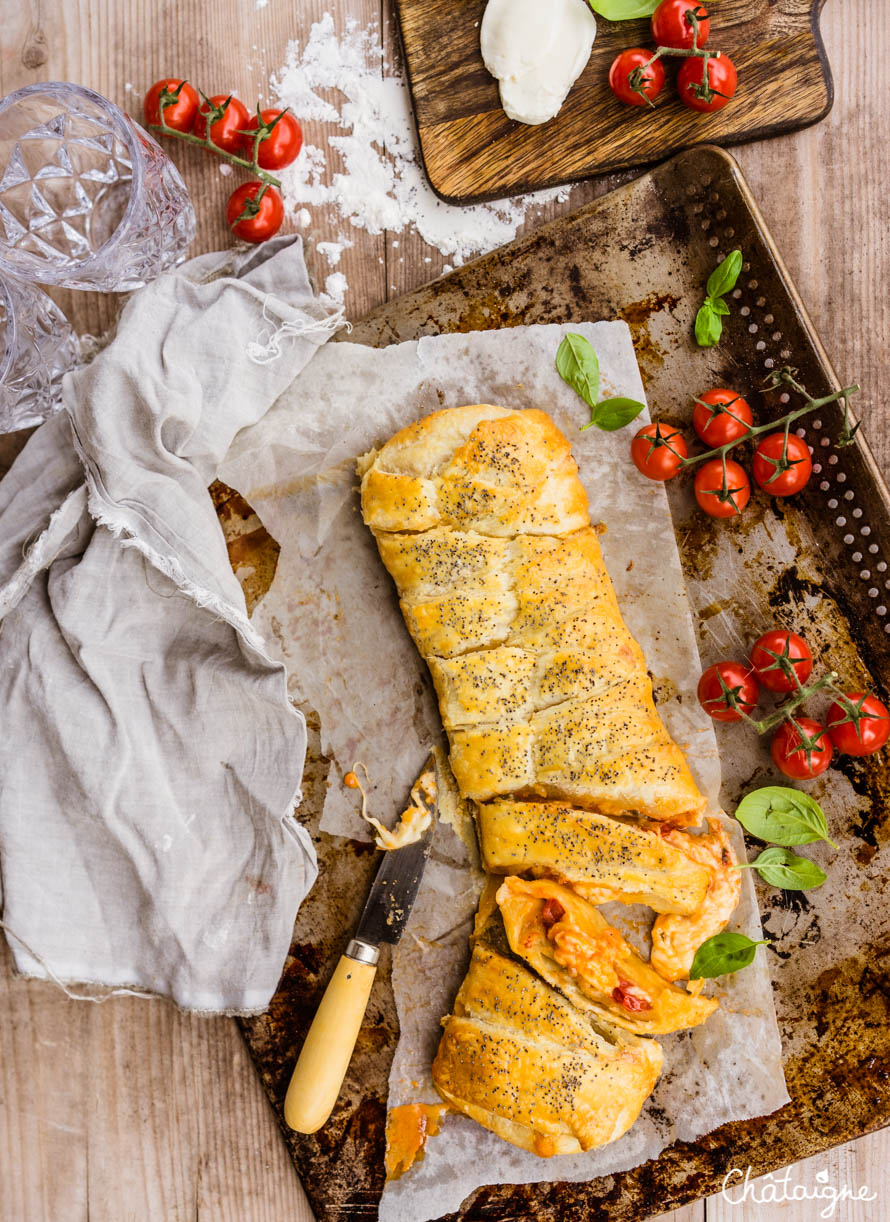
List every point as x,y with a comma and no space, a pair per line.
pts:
675,938
407,1130
592,958
413,821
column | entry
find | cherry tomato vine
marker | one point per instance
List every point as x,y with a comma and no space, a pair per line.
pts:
707,79
857,723
270,140
782,463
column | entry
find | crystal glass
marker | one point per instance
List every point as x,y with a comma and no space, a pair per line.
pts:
88,199
37,346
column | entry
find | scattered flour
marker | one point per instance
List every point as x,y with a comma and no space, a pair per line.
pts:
371,171
333,250
335,287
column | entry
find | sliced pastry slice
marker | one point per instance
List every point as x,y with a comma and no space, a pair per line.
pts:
517,1058
675,939
600,857
571,944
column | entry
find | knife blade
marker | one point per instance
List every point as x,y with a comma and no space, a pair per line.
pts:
327,1050
395,887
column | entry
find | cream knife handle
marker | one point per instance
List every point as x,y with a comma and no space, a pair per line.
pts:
328,1047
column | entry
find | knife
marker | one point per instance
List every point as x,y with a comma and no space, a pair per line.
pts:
328,1047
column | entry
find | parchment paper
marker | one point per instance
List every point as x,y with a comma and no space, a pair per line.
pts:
334,617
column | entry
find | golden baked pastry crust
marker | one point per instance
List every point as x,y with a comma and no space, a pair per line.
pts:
483,523
484,526
519,1059
480,468
613,859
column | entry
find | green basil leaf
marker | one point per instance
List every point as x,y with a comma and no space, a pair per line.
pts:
781,815
718,305
708,327
612,414
623,10
781,868
724,953
724,276
577,364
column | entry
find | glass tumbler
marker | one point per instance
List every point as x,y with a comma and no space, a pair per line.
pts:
88,199
37,346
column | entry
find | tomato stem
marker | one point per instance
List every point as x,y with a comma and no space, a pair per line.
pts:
808,743
784,377
722,409
251,207
693,52
784,711
637,78
637,81
206,142
854,713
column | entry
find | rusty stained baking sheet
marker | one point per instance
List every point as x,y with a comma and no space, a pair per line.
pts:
818,564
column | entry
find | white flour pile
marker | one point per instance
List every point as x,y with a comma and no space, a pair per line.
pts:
370,169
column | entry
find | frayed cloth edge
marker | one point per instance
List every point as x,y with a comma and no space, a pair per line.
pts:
206,599
109,991
44,549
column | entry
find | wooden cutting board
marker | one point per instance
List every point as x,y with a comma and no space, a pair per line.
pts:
472,151
643,253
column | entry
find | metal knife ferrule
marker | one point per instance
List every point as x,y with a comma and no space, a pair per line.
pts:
362,952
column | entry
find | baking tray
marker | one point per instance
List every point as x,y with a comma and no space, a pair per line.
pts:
471,150
817,563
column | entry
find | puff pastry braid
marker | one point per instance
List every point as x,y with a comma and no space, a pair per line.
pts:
483,524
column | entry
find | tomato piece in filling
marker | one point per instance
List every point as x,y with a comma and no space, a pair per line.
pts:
552,912
631,998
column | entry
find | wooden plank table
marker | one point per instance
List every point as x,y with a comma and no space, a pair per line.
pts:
131,1110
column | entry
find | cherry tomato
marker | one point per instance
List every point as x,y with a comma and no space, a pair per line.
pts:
254,212
719,494
801,748
181,106
861,730
771,650
281,142
721,85
658,451
782,476
228,119
672,26
723,679
634,83
721,416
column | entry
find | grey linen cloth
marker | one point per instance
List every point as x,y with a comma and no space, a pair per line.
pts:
150,759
